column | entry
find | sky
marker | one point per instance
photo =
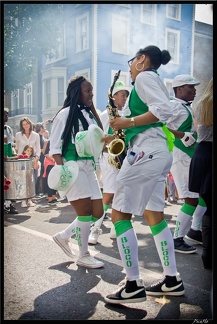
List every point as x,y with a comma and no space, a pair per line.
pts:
204,13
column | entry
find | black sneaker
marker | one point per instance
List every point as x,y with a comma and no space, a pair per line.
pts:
194,236
12,210
168,286
106,216
182,247
131,292
52,202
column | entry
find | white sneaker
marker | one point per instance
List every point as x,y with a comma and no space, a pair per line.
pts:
64,244
94,234
24,204
30,203
112,233
89,262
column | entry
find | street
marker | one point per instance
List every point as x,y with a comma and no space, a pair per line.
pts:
42,283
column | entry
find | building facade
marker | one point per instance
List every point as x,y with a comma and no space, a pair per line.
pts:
98,40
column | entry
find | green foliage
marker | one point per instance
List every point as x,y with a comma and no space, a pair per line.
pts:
30,30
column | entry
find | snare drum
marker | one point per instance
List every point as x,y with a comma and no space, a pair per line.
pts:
21,174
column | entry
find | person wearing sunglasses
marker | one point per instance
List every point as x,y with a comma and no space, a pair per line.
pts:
140,183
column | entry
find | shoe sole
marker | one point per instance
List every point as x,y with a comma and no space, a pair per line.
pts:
192,240
62,247
186,252
93,243
171,293
124,301
92,266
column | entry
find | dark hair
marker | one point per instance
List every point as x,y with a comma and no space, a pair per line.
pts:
38,127
72,98
157,57
28,122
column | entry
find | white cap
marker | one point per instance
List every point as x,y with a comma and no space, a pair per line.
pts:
119,85
183,79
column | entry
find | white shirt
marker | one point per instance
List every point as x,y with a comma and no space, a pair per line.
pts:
180,114
33,140
58,127
10,135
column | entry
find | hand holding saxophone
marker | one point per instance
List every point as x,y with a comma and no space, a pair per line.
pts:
122,123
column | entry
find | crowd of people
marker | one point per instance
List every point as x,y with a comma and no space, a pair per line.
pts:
166,140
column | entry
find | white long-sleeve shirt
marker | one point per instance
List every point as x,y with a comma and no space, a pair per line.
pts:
33,140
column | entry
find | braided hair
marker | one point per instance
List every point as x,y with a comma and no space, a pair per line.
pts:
72,123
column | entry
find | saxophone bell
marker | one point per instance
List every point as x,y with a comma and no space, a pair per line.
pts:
116,147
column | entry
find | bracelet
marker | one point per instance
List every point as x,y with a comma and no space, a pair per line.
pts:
132,122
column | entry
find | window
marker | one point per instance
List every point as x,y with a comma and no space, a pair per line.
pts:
59,52
120,39
60,91
47,93
168,84
15,100
85,73
148,13
124,77
28,96
173,11
82,33
173,44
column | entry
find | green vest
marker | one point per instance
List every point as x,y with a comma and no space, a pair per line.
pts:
138,107
186,126
71,153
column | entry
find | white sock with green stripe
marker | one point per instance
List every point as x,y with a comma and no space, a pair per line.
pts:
198,214
165,247
128,248
82,233
183,221
69,231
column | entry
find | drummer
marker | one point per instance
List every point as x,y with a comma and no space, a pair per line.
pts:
9,208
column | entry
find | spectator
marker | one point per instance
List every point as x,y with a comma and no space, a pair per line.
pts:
39,188
27,136
49,163
200,171
29,151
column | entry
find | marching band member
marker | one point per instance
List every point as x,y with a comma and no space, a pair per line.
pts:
140,183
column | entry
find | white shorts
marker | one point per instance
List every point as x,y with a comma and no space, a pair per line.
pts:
142,185
87,184
180,172
109,174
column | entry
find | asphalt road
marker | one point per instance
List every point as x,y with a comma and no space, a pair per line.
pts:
42,283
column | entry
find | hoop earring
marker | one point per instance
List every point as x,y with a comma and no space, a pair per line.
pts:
139,70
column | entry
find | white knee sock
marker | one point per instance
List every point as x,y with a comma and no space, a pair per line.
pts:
69,231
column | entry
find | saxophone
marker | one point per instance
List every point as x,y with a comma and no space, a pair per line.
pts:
116,148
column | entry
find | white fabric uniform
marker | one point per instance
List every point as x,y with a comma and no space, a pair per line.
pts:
181,160
86,184
108,171
33,140
142,185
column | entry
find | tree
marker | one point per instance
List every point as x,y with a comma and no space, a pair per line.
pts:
30,30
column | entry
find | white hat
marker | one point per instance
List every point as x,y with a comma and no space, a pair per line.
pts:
6,109
119,85
183,79
62,177
88,143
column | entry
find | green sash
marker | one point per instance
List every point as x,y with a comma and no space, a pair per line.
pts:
186,126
